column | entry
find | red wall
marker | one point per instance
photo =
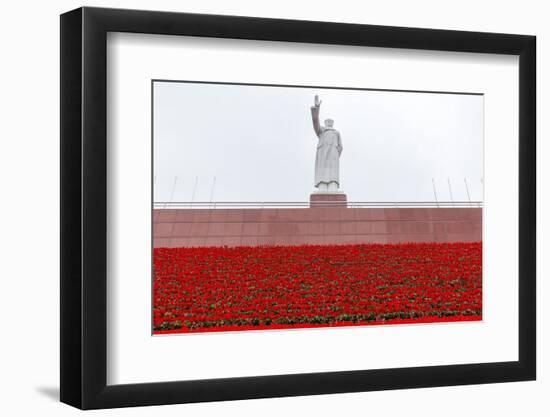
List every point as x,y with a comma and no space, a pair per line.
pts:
295,226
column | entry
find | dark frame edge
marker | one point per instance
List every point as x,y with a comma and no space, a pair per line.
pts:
276,386
94,208
70,202
527,207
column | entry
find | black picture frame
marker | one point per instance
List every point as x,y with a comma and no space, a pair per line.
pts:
84,207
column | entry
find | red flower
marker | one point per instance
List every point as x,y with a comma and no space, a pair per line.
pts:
221,289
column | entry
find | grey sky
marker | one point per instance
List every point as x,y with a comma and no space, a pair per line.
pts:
259,143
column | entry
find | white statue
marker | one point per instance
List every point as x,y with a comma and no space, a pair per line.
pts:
329,149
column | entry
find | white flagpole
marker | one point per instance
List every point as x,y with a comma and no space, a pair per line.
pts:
450,191
435,193
194,191
467,191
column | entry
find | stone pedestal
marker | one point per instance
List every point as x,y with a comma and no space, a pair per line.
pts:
328,199
341,225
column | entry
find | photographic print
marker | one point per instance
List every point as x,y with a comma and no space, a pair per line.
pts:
329,185
290,207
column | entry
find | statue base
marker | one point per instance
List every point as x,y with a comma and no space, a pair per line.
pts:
328,199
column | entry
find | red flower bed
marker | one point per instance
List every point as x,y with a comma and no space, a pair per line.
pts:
276,287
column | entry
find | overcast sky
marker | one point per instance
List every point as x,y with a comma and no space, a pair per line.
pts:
259,144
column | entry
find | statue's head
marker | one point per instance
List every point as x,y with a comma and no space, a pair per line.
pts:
329,123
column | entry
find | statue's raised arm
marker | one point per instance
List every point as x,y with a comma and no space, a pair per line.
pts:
315,116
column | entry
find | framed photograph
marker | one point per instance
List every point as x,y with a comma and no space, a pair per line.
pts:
257,208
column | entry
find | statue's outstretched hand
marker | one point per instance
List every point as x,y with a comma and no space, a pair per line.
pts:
317,101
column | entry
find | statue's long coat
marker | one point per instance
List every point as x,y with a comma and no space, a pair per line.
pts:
329,148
